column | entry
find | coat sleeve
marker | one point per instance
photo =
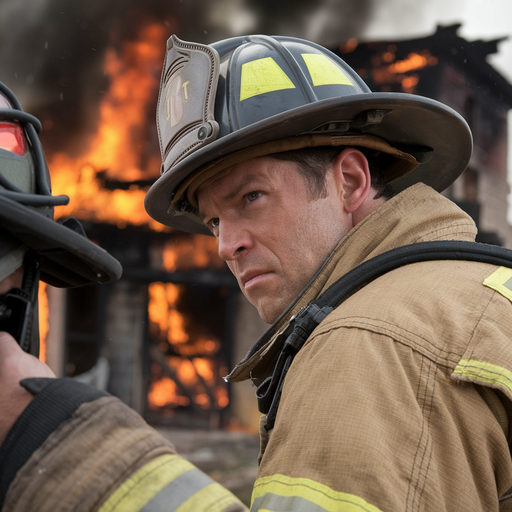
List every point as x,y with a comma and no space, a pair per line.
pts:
77,449
367,423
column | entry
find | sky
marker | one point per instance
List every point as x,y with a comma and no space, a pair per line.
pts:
487,20
490,22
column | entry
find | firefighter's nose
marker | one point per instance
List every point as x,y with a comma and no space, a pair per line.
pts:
233,242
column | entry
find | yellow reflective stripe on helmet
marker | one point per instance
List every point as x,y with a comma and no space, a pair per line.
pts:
324,71
485,373
261,76
279,492
501,281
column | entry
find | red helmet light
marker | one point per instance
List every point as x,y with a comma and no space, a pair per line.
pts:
12,138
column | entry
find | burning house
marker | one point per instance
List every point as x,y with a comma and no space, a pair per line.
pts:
446,67
164,336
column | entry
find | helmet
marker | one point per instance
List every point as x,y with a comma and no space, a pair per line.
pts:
57,252
245,97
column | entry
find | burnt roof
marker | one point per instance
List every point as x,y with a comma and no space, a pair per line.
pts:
470,57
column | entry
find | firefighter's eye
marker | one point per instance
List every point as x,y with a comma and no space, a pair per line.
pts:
214,223
252,196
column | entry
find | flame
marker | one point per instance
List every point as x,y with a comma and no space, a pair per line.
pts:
193,370
164,392
410,82
163,313
388,71
412,62
222,397
204,368
186,372
117,149
43,319
188,253
349,46
168,324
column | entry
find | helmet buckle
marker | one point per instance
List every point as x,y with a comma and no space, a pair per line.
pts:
369,117
180,207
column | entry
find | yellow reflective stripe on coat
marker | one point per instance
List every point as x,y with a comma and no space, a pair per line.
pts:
279,492
324,71
261,76
171,483
501,281
485,373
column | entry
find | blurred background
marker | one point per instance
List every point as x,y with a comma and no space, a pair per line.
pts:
164,336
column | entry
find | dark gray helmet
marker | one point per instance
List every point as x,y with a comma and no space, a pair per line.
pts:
245,97
67,257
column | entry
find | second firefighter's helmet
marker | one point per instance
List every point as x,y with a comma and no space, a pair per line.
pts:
32,243
246,97
66,257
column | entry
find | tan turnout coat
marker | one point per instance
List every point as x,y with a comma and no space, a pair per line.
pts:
398,400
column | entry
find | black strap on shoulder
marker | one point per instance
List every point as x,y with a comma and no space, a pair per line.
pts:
308,318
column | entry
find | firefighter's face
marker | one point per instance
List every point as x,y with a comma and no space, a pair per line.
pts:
272,235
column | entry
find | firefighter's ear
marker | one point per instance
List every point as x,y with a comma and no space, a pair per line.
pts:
352,178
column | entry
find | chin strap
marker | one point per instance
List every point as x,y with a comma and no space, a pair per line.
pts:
18,307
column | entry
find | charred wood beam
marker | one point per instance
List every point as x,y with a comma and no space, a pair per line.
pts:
114,184
201,277
159,358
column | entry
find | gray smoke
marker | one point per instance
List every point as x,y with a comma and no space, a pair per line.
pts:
52,51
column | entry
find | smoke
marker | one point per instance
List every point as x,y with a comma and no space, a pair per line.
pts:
51,48
52,51
327,22
402,19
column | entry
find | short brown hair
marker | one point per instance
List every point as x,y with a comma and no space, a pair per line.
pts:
313,164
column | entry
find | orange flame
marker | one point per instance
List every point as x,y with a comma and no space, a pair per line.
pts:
188,253
412,62
163,313
164,392
43,319
117,148
194,368
349,46
204,368
387,71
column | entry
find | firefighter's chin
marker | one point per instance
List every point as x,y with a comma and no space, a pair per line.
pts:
265,292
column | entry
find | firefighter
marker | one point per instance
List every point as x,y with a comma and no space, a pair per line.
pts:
397,396
66,446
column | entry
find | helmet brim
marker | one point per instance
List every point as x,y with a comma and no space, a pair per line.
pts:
68,259
413,121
